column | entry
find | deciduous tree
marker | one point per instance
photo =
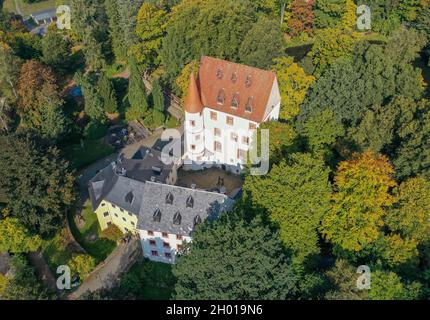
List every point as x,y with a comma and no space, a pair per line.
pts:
262,44
15,238
246,262
294,84
150,30
296,195
301,18
361,196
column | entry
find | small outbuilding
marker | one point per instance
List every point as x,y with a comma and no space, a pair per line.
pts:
45,16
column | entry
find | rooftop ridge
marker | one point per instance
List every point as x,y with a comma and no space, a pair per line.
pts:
238,64
185,188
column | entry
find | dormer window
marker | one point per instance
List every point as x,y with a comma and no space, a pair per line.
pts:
157,215
169,198
248,81
219,74
221,97
197,220
249,104
235,101
190,202
234,77
177,218
129,197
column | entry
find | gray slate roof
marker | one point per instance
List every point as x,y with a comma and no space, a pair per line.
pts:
115,181
207,205
44,14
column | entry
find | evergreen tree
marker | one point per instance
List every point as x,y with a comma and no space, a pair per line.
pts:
37,182
136,93
56,51
90,26
122,23
107,93
157,96
93,101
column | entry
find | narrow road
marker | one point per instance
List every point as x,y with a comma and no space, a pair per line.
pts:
18,9
106,275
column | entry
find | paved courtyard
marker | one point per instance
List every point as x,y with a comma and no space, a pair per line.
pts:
208,179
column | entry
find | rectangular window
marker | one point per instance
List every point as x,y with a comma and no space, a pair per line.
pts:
217,146
248,107
214,116
124,219
217,132
151,233
230,121
133,224
106,214
165,235
192,123
245,140
168,255
116,215
198,137
193,147
103,204
166,245
113,206
234,137
252,126
241,154
154,253
153,242
178,237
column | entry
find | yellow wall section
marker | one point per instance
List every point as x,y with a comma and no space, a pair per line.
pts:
116,217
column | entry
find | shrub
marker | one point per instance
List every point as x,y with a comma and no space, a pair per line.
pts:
95,130
82,264
112,233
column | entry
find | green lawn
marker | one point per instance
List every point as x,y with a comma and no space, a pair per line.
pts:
101,248
172,123
91,151
27,8
149,280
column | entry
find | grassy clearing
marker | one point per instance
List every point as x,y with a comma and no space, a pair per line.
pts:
28,8
91,151
101,248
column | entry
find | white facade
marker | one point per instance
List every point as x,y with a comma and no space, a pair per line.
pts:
218,138
161,247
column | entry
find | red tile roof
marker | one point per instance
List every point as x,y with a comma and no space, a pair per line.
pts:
193,103
229,80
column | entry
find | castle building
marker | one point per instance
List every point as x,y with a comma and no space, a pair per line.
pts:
225,104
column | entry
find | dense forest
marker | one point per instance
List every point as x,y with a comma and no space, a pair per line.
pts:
349,179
